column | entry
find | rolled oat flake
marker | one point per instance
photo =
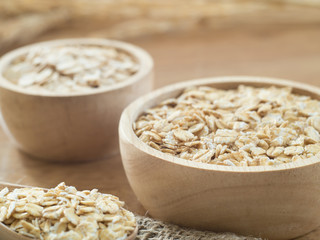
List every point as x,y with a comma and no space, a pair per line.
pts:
246,126
71,68
64,213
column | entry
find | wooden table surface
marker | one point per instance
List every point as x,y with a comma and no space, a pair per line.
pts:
291,52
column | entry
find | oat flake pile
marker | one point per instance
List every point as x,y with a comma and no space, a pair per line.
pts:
243,127
71,68
63,213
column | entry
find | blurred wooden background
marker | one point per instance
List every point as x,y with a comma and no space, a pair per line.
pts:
277,38
187,39
23,21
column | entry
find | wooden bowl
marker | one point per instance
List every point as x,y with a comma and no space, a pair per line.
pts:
75,126
274,202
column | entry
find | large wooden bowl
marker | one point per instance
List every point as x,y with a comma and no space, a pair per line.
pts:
75,126
275,202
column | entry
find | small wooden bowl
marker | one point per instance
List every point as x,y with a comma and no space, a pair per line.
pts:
274,202
75,126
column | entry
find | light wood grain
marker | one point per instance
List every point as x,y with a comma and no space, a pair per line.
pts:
131,18
285,51
274,202
70,127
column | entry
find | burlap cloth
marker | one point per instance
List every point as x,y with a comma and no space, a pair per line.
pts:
154,229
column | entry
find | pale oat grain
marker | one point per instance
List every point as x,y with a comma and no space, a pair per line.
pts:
243,127
65,213
71,68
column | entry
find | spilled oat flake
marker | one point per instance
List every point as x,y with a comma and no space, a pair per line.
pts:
242,127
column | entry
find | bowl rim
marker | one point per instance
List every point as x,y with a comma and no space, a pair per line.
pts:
143,57
130,114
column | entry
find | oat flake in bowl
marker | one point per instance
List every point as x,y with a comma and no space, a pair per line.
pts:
71,68
65,213
280,201
68,104
243,127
